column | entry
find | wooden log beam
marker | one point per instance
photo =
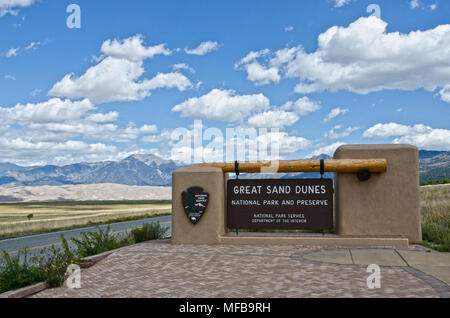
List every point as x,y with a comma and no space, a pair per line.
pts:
333,165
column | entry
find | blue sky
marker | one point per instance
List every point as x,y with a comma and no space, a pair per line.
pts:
136,73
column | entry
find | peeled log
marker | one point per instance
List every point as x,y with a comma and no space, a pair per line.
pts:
333,165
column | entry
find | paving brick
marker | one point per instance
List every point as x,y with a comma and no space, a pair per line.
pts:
161,270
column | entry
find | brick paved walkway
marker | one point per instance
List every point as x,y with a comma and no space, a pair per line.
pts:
159,269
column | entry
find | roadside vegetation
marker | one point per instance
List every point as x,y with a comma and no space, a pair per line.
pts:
435,211
50,265
434,182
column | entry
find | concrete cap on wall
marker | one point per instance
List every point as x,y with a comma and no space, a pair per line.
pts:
375,147
198,170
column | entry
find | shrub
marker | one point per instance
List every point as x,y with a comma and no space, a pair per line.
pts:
49,266
437,236
92,243
149,231
15,274
55,261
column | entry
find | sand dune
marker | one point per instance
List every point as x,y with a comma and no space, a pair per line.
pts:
84,192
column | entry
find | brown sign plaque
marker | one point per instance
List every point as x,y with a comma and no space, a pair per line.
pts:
280,204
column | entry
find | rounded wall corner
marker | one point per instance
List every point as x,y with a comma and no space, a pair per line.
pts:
338,151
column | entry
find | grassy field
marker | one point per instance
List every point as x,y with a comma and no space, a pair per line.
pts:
16,218
435,210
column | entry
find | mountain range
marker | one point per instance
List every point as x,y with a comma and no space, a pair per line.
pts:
434,165
140,170
151,170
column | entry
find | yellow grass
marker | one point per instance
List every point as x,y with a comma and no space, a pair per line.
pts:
435,211
435,202
55,215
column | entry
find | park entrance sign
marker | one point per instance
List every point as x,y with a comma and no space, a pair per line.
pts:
280,204
373,200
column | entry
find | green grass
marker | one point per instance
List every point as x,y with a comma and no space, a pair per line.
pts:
149,231
435,182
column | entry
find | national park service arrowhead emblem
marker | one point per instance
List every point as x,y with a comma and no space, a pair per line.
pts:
195,201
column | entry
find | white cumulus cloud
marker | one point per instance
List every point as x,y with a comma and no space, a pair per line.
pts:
203,48
364,57
132,49
222,105
118,77
341,3
256,72
419,135
339,132
183,66
103,118
326,150
251,56
273,119
334,113
13,6
261,75
132,132
56,120
53,110
26,152
445,94
302,106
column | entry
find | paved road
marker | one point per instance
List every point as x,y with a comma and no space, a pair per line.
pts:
35,243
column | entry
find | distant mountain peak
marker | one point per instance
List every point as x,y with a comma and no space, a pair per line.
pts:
319,157
148,159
